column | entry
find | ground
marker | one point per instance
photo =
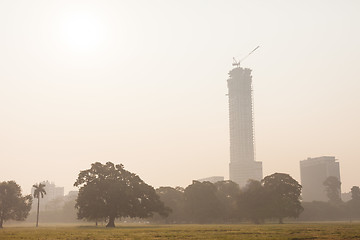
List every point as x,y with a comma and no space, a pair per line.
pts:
302,231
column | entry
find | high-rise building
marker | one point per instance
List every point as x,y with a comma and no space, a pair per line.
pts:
242,156
313,173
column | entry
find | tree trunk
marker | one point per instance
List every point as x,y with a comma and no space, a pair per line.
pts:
111,222
281,221
37,214
1,222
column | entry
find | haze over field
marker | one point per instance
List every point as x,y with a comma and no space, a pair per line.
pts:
143,83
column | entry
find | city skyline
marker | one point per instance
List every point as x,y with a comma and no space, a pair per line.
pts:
142,83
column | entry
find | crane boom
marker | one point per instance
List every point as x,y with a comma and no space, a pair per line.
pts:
249,54
237,63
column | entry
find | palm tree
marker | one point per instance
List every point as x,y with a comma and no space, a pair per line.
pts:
39,191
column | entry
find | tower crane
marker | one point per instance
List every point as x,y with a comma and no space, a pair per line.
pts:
237,63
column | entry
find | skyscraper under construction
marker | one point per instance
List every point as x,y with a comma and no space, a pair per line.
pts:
242,160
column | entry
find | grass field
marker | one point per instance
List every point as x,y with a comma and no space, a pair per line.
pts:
341,231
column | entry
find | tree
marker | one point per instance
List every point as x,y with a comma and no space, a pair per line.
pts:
283,193
332,189
90,202
39,191
323,211
355,193
228,193
353,205
253,203
109,191
173,198
12,204
201,202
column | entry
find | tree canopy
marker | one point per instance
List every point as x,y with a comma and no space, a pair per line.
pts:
354,204
109,191
173,198
13,206
283,193
253,203
39,190
201,202
228,193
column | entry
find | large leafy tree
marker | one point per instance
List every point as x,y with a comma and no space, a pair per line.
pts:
173,198
354,204
91,203
228,193
253,202
201,202
39,192
13,206
109,191
283,193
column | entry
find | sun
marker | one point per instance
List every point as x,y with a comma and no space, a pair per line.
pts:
82,31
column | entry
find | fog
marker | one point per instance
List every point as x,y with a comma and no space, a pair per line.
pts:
143,83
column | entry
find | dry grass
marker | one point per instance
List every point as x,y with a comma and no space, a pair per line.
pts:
330,231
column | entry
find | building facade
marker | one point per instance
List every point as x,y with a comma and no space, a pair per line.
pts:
242,156
313,173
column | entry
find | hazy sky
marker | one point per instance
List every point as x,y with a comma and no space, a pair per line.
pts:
143,83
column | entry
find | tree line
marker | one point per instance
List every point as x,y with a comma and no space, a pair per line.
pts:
108,192
334,209
275,197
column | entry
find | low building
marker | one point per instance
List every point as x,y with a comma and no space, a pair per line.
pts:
313,173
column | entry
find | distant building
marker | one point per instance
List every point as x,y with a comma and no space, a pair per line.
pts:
242,165
213,179
313,172
54,196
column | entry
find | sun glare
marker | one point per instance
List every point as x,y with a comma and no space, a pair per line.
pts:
82,32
